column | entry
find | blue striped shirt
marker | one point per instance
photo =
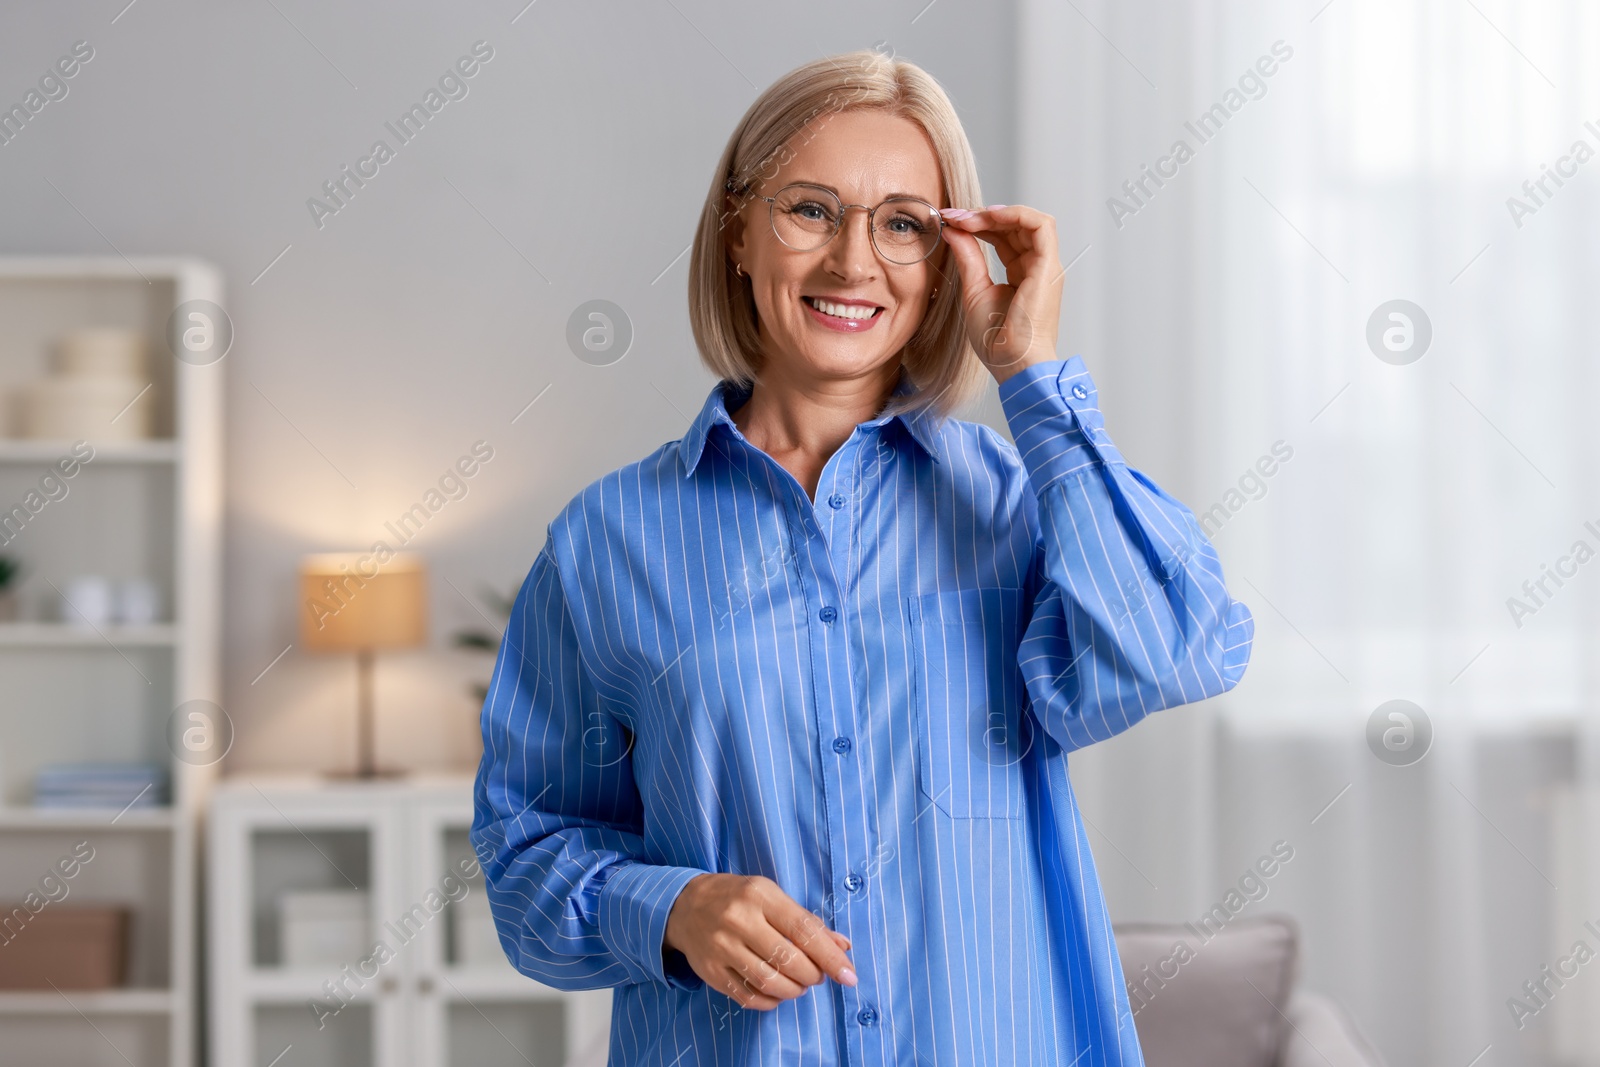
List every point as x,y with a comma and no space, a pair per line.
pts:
869,698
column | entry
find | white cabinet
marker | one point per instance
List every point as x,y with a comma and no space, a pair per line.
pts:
424,992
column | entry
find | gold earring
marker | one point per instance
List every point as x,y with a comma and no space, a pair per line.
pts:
934,293
738,268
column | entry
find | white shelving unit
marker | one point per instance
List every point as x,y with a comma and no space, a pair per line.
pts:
430,1003
151,509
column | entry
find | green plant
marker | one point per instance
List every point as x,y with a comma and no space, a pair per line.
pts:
9,569
483,640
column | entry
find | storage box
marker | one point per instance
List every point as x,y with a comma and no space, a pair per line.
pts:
99,409
68,946
102,352
317,927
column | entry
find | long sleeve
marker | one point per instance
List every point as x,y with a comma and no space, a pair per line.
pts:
558,818
1131,614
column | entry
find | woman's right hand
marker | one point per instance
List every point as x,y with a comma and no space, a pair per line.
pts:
749,939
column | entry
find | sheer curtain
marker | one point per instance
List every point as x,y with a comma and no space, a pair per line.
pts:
1379,502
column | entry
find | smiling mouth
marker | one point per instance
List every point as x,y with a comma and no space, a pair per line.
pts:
848,312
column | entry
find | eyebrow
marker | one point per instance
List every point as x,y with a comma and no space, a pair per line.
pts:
835,192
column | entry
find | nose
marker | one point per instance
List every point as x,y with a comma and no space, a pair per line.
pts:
850,253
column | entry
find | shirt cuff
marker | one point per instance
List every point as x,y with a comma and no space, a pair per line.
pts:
1237,638
634,906
1054,413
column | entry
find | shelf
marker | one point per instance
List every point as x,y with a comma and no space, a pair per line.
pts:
19,450
134,819
495,983
287,985
69,635
88,1002
299,984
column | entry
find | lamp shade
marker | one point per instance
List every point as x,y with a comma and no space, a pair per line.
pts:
348,603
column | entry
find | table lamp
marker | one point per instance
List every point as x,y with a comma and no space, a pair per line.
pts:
349,603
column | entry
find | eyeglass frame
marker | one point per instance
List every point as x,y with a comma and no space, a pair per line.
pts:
872,228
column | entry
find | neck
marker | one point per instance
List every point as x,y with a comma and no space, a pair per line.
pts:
808,418
800,420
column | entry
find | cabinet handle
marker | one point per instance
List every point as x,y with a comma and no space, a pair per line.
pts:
425,985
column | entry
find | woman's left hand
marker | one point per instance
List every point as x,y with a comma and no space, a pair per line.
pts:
1012,324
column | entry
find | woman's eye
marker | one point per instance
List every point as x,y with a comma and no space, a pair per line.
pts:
905,224
811,210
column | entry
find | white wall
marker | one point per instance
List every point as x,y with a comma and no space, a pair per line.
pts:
382,345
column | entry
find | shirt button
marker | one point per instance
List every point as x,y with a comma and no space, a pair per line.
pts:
854,881
867,1017
828,614
1080,392
841,745
836,501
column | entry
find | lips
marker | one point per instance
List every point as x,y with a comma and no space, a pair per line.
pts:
843,308
845,317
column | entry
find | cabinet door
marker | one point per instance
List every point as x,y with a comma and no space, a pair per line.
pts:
438,879
473,1009
305,885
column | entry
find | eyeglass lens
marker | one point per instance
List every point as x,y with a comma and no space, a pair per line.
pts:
904,230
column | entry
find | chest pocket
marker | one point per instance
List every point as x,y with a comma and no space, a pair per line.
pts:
972,730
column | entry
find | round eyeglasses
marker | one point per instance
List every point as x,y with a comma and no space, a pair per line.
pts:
904,230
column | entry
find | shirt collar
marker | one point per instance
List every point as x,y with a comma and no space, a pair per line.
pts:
920,425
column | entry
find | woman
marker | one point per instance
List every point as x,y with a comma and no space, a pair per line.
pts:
776,742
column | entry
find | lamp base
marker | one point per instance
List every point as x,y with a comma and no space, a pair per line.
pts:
366,768
369,775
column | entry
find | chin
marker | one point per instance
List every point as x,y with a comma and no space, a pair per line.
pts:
846,359
843,355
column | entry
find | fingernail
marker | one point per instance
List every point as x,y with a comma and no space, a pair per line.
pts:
957,213
994,207
848,976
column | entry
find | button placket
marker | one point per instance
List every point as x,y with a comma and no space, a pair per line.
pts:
830,528
835,697
833,511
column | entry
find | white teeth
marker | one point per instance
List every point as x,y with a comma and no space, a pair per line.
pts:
843,311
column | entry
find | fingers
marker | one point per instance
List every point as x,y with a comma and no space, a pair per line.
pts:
1013,323
1012,222
789,958
1020,234
758,945
740,991
784,972
760,977
813,937
970,264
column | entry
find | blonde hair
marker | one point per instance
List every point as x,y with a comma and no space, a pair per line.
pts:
944,371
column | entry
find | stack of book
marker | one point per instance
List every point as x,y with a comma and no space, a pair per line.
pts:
100,785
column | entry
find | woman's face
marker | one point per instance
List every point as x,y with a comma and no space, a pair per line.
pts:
865,157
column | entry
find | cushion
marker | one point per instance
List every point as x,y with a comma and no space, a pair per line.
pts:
1324,1035
1210,995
